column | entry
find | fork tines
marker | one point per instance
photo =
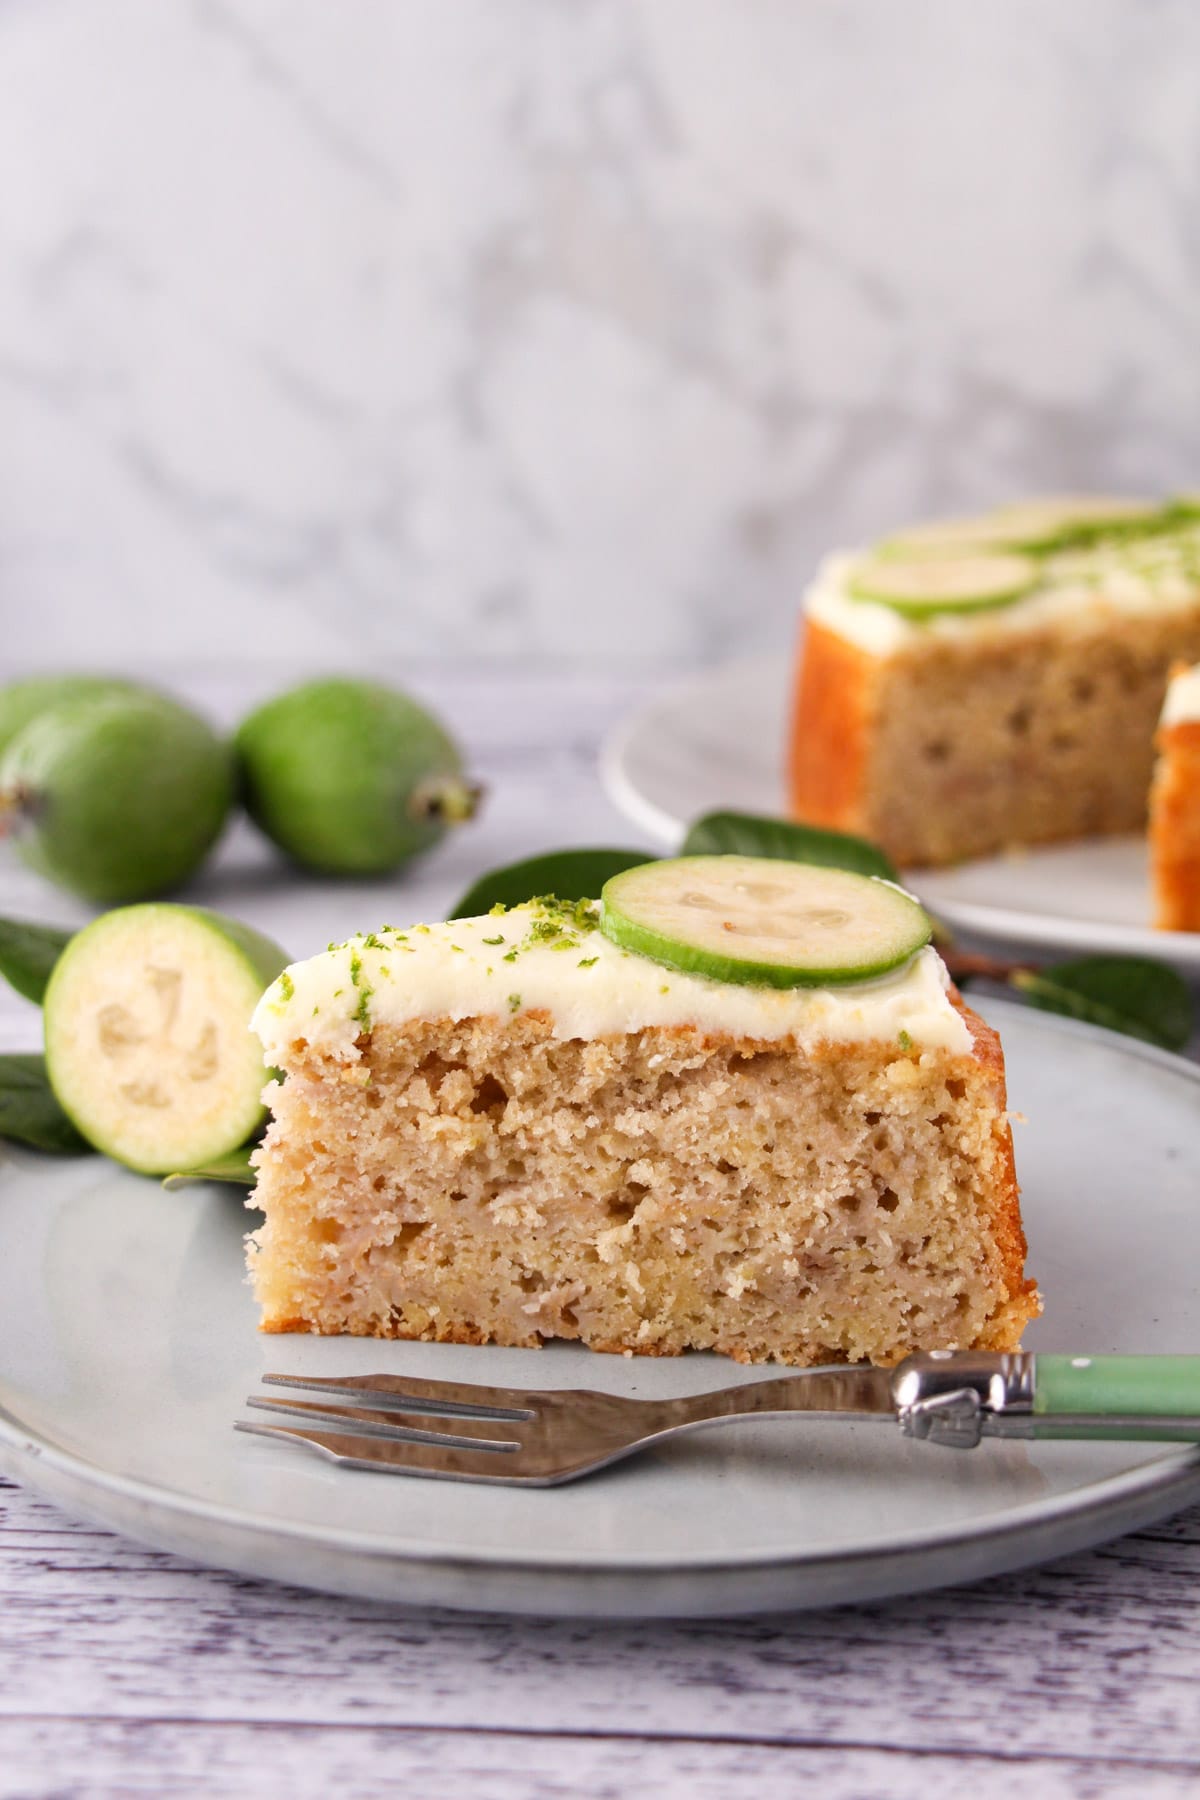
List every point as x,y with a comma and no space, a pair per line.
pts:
382,1422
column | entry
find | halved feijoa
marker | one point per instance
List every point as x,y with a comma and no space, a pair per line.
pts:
760,921
148,1041
919,586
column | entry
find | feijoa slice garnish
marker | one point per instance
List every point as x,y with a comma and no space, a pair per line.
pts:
1032,526
919,586
759,921
1059,521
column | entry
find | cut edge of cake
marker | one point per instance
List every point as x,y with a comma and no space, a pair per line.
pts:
1175,806
484,1177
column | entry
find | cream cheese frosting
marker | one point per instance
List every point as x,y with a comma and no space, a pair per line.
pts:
1079,590
1182,704
506,963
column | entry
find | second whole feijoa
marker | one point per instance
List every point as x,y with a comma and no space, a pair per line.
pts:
350,777
115,795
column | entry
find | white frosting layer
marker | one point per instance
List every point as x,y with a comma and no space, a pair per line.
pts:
1081,588
1182,704
589,987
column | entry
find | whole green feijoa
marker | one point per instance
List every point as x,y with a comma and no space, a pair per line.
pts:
350,778
22,701
115,796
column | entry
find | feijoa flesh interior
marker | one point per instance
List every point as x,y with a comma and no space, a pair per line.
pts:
763,922
148,1041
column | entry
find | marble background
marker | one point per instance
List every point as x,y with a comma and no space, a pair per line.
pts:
568,329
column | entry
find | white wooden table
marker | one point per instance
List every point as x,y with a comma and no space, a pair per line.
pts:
124,1671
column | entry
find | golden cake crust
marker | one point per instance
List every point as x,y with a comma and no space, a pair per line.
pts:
831,730
1175,828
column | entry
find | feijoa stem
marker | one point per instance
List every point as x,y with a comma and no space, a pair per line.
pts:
16,803
451,799
963,964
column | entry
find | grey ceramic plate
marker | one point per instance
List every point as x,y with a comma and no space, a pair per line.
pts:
128,1343
717,740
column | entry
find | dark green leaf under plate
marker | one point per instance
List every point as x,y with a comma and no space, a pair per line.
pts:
568,874
29,1110
234,1167
1131,994
28,953
750,834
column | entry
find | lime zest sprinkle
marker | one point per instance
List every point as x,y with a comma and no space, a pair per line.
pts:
906,1042
514,1002
588,962
362,1012
495,940
287,986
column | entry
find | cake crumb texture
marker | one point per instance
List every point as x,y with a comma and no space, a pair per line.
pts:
483,1180
963,747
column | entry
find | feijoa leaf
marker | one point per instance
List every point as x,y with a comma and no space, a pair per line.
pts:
234,1167
567,874
29,1111
1130,994
752,834
28,953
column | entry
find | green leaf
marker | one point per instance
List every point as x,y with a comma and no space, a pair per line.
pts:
749,834
28,953
29,1110
234,1167
568,874
1131,994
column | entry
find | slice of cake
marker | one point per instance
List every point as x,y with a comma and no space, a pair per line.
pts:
1175,806
511,1128
992,682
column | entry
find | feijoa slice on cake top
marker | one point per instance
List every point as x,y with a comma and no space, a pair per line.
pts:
760,921
1034,526
966,582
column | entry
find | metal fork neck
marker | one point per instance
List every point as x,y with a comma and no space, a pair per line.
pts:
954,1398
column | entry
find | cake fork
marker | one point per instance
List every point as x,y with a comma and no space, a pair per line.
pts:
532,1437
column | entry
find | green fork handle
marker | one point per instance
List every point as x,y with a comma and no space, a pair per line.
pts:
1117,1397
